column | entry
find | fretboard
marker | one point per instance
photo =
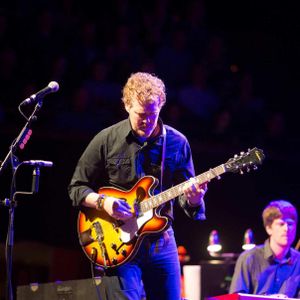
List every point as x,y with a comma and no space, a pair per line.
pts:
177,190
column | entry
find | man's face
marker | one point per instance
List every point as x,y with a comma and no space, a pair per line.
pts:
282,231
143,118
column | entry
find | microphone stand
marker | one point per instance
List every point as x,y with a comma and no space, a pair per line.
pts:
11,203
21,139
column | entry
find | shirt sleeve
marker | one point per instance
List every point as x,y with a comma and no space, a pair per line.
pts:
86,177
196,213
185,172
241,281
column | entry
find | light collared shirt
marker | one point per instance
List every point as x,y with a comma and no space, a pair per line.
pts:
258,272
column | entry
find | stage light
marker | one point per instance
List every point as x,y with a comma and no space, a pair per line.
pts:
214,245
248,240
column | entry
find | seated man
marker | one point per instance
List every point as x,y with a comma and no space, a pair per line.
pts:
274,267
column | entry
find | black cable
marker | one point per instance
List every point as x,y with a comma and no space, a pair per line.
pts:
97,287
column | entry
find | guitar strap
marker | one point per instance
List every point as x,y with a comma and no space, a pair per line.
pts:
163,155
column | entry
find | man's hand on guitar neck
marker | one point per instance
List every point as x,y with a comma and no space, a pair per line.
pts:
116,208
194,192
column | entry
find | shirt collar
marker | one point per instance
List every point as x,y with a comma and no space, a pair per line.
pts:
126,129
269,255
128,133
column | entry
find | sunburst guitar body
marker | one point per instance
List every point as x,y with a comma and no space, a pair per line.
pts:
110,242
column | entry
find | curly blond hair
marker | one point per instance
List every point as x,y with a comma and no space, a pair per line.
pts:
144,87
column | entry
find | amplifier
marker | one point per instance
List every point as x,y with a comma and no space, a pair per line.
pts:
84,289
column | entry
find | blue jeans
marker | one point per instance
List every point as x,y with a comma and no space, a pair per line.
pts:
156,265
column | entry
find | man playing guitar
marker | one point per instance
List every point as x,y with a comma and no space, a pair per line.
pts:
120,156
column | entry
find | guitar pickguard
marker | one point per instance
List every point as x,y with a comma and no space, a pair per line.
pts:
129,230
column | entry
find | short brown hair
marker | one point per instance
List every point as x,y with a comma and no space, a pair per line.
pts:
145,88
279,209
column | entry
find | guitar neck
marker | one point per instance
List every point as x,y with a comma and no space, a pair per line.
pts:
177,190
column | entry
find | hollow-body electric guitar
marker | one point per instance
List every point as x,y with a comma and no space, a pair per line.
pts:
108,242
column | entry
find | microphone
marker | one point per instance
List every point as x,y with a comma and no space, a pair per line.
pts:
52,87
38,163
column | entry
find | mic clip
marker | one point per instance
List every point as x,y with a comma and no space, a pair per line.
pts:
35,180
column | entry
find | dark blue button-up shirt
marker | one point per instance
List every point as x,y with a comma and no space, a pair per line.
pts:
115,157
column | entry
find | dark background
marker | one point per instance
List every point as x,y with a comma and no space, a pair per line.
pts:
247,57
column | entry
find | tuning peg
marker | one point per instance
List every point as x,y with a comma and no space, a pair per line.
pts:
241,172
255,167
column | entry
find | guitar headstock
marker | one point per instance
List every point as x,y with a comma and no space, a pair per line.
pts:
245,161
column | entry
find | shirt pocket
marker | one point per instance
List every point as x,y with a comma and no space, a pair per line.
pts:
119,170
171,162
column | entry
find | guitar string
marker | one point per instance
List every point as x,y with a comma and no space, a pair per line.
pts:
177,190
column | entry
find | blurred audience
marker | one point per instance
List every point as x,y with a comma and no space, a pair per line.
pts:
212,96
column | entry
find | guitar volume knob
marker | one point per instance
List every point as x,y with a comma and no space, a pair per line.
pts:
114,247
